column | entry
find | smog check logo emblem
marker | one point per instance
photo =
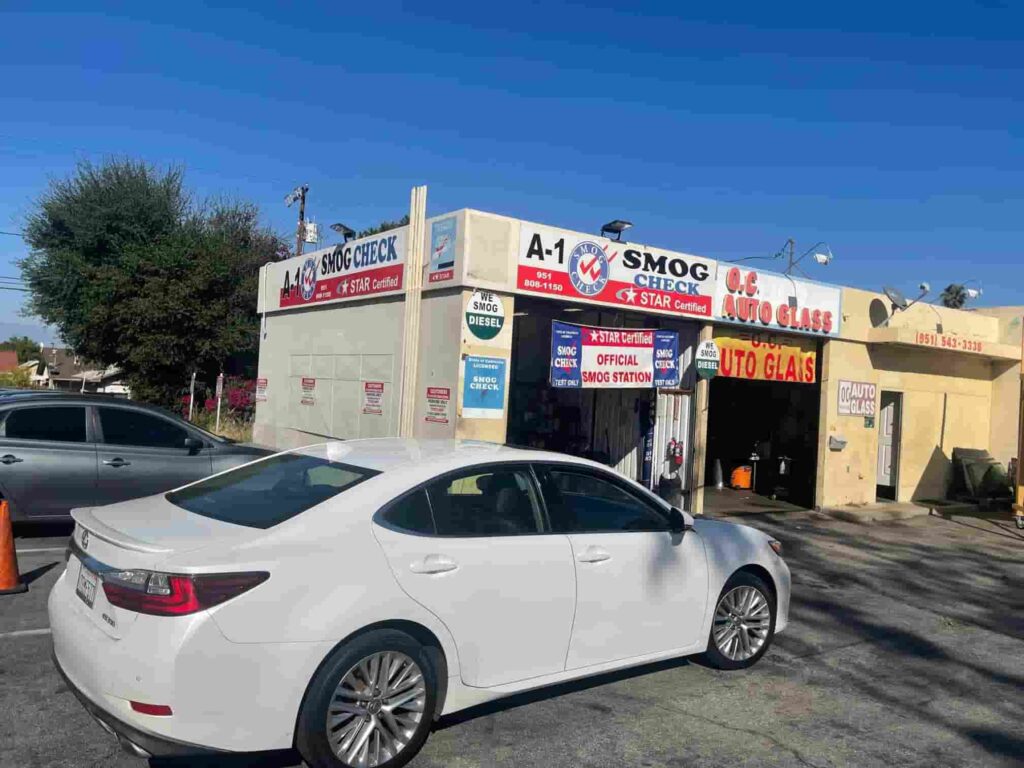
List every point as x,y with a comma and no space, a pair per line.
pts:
308,281
85,539
588,268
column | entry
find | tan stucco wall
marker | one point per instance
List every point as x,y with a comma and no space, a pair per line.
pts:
1006,385
946,405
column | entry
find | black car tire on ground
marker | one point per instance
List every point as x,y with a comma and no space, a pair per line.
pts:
714,657
311,733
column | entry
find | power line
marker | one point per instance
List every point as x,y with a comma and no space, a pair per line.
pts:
12,234
10,288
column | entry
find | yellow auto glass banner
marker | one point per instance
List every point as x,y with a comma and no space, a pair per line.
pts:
766,357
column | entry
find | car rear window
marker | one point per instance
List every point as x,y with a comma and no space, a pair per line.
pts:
268,492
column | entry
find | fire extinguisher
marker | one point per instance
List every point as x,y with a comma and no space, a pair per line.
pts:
675,453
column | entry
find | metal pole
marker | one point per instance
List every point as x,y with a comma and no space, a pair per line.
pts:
220,393
790,242
300,233
192,396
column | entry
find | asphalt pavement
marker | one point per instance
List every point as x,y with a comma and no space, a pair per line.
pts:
905,648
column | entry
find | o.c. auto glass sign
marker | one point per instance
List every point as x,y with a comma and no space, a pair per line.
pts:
578,267
770,301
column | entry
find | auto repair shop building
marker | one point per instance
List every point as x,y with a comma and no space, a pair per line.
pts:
529,334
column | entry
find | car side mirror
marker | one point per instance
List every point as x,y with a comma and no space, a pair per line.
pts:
680,521
194,445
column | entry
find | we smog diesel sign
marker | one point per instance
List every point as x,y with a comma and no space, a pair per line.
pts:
574,266
370,266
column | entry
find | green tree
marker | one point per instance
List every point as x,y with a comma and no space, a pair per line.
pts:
26,348
953,296
135,275
384,226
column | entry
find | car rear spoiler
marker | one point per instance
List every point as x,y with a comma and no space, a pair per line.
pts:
84,517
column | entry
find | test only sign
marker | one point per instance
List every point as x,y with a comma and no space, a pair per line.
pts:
857,398
585,357
483,388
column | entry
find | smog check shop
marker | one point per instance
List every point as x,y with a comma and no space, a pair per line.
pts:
528,334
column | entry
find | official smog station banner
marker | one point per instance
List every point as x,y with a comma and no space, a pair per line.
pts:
370,266
612,358
770,301
579,267
766,357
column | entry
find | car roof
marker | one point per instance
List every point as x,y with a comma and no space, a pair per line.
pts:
19,396
390,454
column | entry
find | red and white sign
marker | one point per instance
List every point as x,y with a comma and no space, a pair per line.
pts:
373,397
579,267
767,300
261,390
438,399
857,398
617,358
370,266
308,391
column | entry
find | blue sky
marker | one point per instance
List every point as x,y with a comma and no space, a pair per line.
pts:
892,131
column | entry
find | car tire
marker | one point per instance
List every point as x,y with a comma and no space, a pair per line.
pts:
327,737
743,623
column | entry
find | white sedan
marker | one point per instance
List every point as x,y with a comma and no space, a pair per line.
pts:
340,598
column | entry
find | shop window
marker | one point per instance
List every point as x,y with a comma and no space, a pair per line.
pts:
582,502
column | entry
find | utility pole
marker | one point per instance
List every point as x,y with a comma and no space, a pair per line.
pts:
792,246
299,195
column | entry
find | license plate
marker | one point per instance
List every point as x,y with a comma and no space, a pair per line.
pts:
86,589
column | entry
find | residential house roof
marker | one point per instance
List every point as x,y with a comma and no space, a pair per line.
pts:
8,360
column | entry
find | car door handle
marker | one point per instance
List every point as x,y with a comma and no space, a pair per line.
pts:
594,555
9,459
118,462
434,564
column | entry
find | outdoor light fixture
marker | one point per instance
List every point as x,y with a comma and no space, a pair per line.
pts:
344,231
900,302
616,227
822,255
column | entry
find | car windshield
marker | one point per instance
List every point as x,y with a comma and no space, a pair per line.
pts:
270,491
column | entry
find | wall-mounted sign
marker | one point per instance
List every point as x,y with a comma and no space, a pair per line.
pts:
580,267
373,398
438,399
766,357
261,390
707,359
442,249
370,266
483,387
612,358
945,341
769,301
857,398
308,391
485,314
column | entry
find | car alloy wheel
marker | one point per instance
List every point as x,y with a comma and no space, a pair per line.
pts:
376,708
742,623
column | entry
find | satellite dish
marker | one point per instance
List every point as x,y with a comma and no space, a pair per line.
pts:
896,297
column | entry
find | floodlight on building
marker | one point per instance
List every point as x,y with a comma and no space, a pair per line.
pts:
296,194
345,232
616,227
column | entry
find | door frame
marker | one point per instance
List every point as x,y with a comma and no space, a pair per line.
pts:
897,440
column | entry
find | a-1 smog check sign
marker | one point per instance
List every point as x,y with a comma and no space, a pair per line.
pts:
768,300
370,266
579,267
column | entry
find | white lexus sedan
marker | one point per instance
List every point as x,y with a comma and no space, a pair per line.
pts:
340,598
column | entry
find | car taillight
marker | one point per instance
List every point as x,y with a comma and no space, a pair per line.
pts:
167,594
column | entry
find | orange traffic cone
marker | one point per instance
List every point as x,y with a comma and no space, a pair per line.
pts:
10,580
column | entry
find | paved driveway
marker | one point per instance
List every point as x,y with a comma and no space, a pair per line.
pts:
905,648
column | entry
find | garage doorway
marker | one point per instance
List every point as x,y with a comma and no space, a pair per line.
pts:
890,418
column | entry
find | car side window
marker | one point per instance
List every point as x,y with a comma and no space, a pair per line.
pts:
411,513
122,426
579,501
485,502
63,424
